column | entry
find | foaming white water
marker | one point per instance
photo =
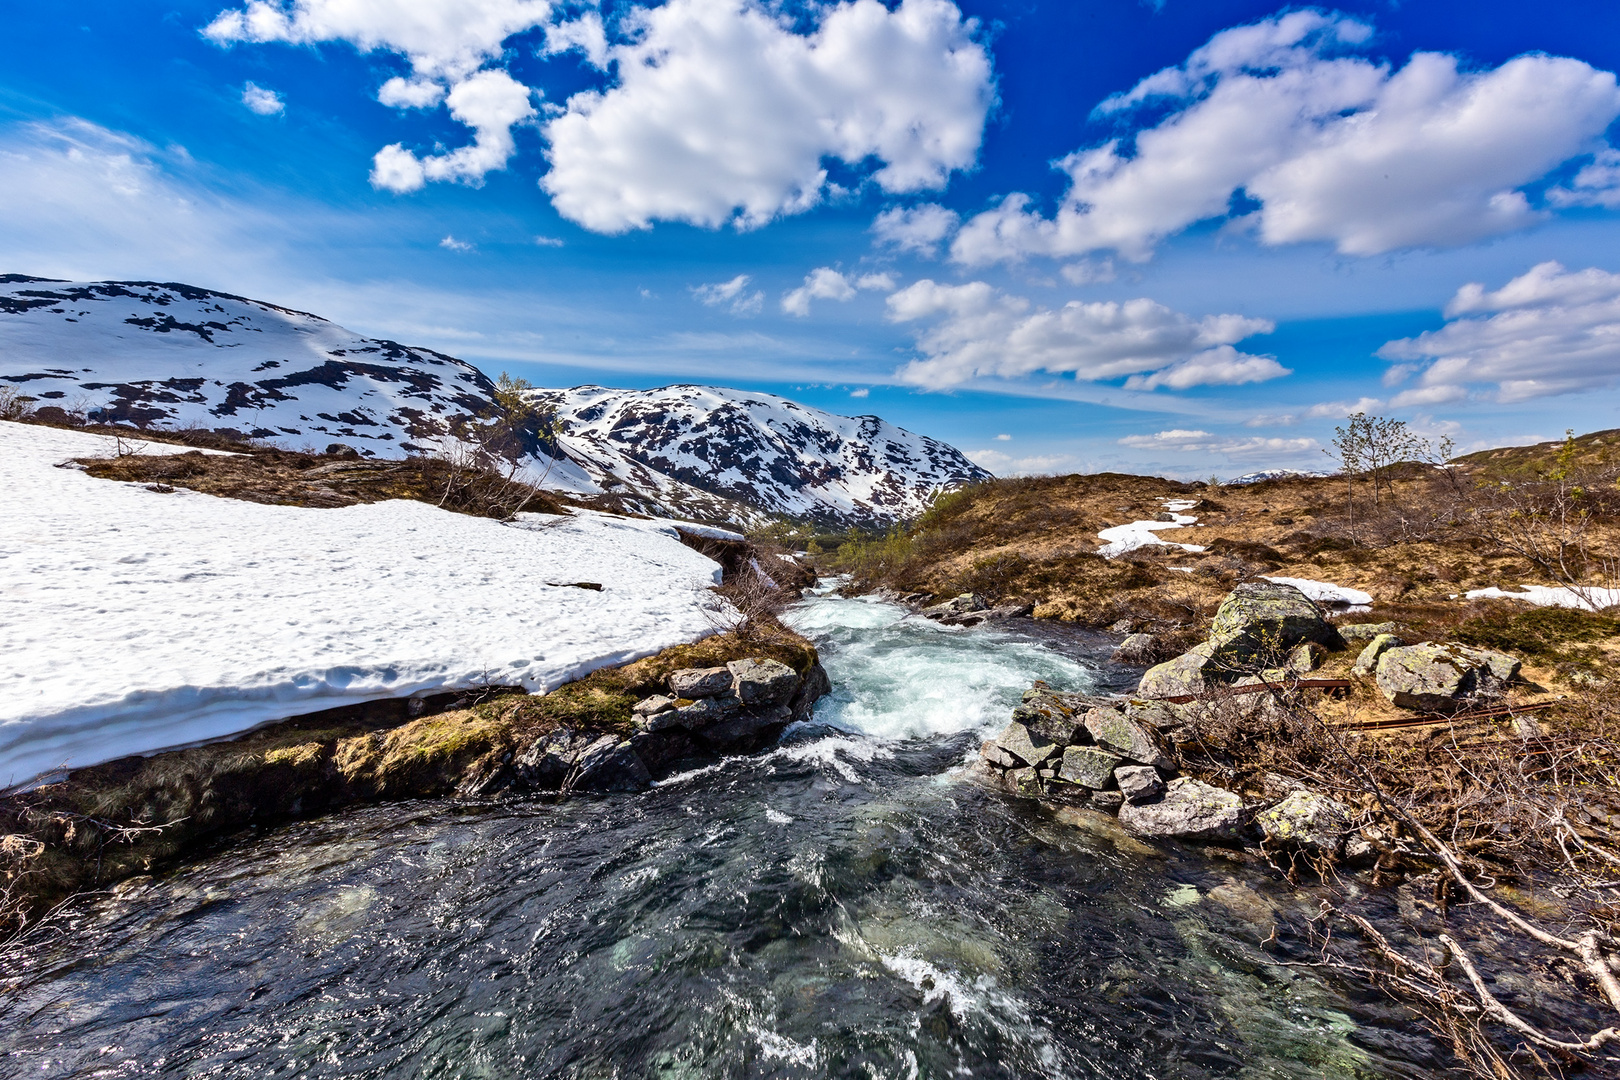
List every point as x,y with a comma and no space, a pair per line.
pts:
897,676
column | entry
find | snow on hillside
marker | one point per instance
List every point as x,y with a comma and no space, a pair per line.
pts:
171,355
133,620
678,444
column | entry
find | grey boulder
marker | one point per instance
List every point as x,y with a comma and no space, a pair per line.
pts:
1189,809
1114,731
1306,820
1262,621
761,681
1139,783
1187,675
699,682
1441,678
1087,766
609,764
1026,745
1367,662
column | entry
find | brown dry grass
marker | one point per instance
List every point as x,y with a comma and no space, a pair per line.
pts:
1035,540
290,478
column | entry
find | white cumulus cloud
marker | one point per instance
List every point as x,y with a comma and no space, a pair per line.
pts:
1548,331
976,330
262,101
447,42
825,283
722,113
1330,145
915,228
450,243
489,102
442,39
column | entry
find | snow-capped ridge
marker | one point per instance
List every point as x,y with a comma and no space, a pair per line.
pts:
170,355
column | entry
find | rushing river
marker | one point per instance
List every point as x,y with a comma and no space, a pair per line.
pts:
849,904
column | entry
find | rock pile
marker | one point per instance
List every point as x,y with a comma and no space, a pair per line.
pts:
971,609
704,713
1117,755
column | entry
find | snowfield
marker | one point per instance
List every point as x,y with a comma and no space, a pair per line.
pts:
1122,539
1589,598
133,621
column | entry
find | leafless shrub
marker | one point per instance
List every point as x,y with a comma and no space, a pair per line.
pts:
14,404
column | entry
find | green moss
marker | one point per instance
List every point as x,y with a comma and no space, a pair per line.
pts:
1537,632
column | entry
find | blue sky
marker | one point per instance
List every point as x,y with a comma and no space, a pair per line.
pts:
1183,238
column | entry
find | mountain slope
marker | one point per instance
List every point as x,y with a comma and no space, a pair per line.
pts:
171,355
756,449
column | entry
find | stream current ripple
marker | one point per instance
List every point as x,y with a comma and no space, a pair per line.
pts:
851,903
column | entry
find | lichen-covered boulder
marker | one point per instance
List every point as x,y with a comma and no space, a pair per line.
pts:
1188,674
1189,809
1112,730
1306,820
1139,783
1367,662
1263,621
1365,631
1028,746
762,681
1305,658
1440,678
695,683
1089,766
1050,716
692,715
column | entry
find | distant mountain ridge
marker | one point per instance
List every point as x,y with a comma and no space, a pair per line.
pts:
167,355
756,449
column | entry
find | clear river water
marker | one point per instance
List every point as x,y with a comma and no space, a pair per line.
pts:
852,903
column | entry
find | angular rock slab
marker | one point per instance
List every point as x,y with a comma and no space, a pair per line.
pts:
1188,674
761,681
1264,620
1307,820
1088,766
1139,783
1367,662
1440,678
1189,809
1114,731
694,683
1026,745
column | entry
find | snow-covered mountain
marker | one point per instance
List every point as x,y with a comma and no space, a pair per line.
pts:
684,443
172,355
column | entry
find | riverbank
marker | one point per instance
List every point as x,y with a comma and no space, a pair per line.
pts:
141,815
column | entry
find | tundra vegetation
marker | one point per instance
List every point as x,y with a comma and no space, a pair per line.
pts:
1442,779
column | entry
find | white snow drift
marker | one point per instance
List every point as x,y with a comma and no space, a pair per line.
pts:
132,620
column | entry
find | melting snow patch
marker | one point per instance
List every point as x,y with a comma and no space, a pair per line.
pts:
132,621
1139,534
1323,592
1589,598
